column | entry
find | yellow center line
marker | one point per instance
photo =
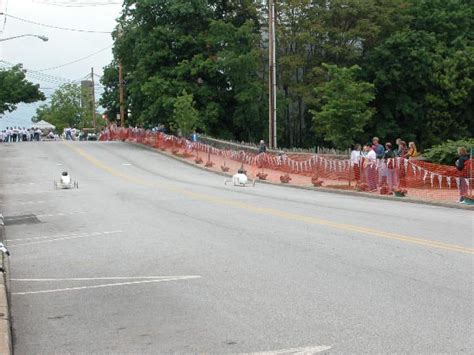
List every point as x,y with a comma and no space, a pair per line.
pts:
272,211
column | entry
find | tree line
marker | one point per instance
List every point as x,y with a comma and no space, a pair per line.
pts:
346,69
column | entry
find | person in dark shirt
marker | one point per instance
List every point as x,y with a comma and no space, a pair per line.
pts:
389,166
262,148
463,165
378,148
402,148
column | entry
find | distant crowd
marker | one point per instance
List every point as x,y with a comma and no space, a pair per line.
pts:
18,134
376,166
35,134
374,163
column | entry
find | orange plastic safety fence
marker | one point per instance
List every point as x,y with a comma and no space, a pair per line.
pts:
399,176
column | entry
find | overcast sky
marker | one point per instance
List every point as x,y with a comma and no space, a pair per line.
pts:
62,47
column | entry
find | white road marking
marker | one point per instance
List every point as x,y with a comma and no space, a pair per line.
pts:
308,350
24,203
95,278
64,235
19,218
24,183
169,278
126,164
60,214
64,238
10,192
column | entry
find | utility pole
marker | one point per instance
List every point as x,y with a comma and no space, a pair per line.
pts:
94,119
121,96
272,120
121,84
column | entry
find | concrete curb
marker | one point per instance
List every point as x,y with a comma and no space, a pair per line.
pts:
319,189
5,321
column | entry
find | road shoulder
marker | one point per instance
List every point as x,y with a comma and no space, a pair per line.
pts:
319,189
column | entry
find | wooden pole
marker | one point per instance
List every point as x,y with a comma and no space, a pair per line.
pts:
94,118
272,127
121,96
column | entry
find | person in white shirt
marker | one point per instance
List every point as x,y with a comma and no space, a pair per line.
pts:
355,161
370,167
38,134
23,134
9,135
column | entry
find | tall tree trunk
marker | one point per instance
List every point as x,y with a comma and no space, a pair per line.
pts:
300,121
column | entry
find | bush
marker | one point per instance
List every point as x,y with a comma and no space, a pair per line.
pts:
447,152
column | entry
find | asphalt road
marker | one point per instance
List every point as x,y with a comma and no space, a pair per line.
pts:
150,255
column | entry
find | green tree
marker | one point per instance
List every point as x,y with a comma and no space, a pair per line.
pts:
208,48
312,32
417,53
424,75
15,89
186,117
344,110
65,109
110,96
447,152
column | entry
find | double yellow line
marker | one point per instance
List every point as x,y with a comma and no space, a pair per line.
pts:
273,212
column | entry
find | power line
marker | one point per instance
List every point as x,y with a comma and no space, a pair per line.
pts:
38,75
55,27
50,79
75,61
5,18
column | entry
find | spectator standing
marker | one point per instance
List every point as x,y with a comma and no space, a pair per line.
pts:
262,148
463,165
389,166
24,135
9,133
378,148
68,134
38,134
412,152
355,161
379,153
402,148
370,167
15,132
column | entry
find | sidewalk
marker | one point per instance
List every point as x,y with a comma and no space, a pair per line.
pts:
5,324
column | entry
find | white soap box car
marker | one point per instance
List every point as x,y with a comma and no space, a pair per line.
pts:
65,182
240,179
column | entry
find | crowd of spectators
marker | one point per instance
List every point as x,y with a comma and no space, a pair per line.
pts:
374,164
22,134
